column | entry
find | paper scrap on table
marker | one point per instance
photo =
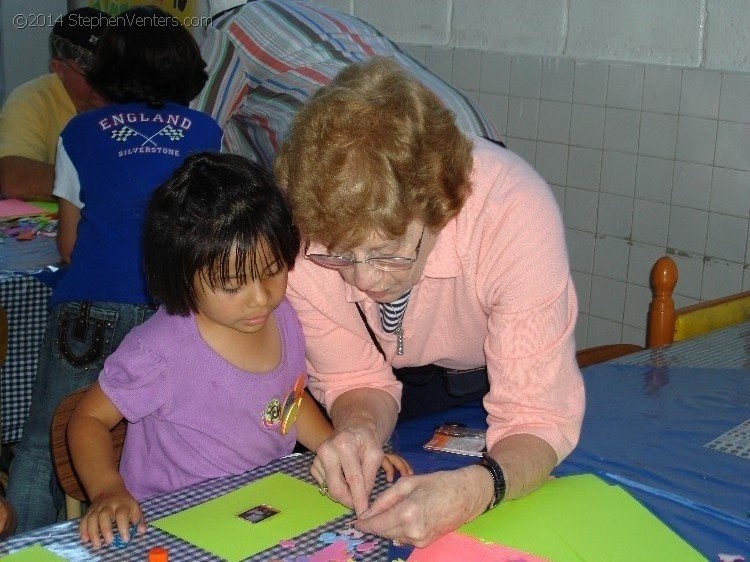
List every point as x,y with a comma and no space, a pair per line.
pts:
455,546
35,553
334,552
13,208
736,441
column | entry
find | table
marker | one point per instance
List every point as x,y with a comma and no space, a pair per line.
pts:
728,348
62,538
645,429
26,271
648,420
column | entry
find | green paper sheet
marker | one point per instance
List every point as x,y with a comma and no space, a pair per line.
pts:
33,553
50,207
582,518
214,527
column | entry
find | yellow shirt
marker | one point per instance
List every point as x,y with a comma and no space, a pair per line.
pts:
32,118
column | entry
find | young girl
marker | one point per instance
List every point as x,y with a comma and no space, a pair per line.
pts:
109,162
212,384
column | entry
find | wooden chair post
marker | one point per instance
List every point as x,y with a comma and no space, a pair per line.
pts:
661,316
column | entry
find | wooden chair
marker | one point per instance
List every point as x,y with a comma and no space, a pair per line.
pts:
602,353
66,475
667,324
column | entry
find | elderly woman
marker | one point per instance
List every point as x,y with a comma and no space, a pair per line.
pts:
435,262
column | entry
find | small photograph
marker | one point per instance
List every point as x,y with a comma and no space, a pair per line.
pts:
258,513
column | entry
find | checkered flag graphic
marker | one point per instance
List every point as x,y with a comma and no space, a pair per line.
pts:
124,133
171,133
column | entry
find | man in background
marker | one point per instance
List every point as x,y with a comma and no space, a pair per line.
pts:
34,114
266,58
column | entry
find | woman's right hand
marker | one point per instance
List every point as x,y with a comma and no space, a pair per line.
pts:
346,465
114,509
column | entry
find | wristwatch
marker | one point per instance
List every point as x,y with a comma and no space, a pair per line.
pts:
498,479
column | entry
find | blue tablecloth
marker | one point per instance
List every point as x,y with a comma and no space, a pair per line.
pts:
645,429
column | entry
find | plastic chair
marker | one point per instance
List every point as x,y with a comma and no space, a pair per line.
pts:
667,324
66,475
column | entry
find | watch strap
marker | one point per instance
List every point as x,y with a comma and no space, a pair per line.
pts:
498,479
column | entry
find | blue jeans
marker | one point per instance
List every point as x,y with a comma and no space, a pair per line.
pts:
78,338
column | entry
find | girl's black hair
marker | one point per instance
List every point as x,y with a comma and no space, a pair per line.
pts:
216,207
146,55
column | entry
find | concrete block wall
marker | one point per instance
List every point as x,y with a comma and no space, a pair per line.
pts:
636,113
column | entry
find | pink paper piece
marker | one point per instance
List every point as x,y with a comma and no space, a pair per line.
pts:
335,552
16,208
287,543
731,558
367,546
352,532
26,234
455,546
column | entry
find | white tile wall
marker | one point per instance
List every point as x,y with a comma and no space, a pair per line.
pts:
644,160
729,192
735,93
618,173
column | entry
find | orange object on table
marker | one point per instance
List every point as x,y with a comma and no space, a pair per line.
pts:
158,554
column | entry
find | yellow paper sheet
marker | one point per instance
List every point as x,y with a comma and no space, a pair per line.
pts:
582,518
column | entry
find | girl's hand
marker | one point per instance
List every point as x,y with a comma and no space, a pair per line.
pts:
392,463
117,507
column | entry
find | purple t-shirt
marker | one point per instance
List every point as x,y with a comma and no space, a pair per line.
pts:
192,415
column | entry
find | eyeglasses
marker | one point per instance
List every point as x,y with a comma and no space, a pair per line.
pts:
394,263
292,404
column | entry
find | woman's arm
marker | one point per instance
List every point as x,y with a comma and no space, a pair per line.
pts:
91,450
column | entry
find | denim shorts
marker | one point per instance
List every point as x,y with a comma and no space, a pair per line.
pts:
78,339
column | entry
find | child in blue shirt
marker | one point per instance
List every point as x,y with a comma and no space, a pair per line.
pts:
109,161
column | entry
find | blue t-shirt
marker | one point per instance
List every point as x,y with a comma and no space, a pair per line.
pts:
109,162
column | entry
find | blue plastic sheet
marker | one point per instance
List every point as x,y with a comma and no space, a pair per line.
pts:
645,429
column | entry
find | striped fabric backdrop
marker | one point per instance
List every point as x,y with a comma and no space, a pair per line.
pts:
267,57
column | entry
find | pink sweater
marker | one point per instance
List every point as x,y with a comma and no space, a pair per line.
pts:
496,290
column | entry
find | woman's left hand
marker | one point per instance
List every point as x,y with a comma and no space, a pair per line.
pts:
417,510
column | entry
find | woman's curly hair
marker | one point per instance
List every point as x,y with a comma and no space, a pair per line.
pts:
370,152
